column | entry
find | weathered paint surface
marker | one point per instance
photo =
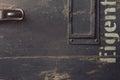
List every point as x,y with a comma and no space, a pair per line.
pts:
38,47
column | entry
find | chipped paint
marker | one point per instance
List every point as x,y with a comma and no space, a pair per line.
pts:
44,3
79,12
54,75
6,5
91,72
66,9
